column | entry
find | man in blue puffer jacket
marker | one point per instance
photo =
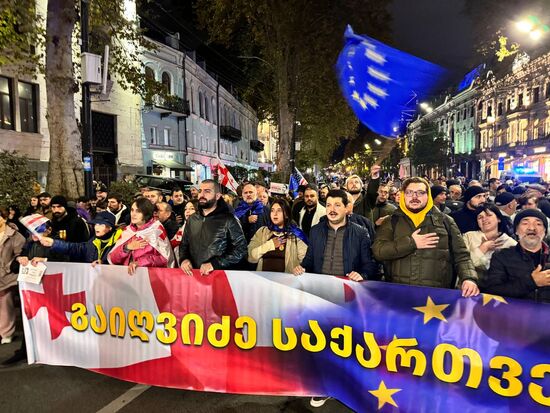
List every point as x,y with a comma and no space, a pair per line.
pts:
338,246
94,250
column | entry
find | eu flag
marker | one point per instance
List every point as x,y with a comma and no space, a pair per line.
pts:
382,84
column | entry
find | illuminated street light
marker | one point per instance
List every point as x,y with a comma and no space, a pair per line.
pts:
535,34
429,110
378,141
524,26
367,146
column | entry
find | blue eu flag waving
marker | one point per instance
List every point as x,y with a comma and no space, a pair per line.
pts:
383,84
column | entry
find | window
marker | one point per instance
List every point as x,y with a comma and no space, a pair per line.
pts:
536,95
458,116
201,107
153,135
499,109
6,107
214,112
27,107
166,136
489,111
166,82
206,108
192,93
472,111
149,73
547,91
520,100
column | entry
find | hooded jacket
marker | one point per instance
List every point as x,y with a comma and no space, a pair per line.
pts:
216,238
431,267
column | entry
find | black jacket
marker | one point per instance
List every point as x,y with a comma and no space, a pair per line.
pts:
171,227
465,219
75,227
454,205
367,199
216,238
357,253
510,275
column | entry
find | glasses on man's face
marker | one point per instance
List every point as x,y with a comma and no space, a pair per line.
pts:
409,193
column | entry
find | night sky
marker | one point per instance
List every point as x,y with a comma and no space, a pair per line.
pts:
435,30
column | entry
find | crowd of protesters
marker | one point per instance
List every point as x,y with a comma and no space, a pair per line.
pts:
448,233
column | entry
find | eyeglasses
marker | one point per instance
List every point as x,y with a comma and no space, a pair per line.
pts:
418,194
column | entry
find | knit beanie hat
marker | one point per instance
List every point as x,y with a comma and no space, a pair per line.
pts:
59,200
473,191
525,213
437,189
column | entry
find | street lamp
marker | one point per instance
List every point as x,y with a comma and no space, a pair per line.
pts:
378,141
367,146
532,26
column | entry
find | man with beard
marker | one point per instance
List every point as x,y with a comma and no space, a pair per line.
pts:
466,219
213,238
251,212
45,200
323,191
422,246
66,224
382,208
364,202
118,209
520,271
101,192
312,210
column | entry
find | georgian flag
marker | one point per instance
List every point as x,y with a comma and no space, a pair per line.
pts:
224,176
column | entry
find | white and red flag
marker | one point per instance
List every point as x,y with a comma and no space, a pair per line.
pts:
35,223
224,176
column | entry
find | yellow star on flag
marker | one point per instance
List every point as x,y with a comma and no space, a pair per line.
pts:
384,395
431,310
386,346
489,297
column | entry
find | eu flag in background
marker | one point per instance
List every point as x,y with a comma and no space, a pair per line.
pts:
296,179
382,84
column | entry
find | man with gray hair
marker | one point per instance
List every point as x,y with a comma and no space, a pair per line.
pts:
521,271
166,218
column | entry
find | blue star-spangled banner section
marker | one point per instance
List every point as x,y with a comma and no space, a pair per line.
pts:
381,83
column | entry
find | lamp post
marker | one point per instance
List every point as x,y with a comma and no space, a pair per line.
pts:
86,118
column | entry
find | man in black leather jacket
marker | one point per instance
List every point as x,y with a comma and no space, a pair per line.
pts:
213,238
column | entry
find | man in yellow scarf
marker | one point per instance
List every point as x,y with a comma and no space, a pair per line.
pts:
421,246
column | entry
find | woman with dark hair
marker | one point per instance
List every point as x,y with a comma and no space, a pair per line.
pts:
490,237
14,213
281,245
144,243
34,206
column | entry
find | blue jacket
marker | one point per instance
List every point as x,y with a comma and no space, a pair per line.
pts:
357,252
88,251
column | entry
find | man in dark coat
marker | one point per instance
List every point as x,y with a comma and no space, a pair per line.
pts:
67,225
213,238
364,200
466,219
338,246
521,271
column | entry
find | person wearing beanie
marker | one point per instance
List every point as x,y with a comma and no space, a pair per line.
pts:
521,271
414,239
94,250
439,196
507,204
67,225
474,197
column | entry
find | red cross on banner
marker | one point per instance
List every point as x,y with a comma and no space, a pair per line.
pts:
55,302
225,178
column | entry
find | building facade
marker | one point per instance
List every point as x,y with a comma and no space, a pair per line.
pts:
514,120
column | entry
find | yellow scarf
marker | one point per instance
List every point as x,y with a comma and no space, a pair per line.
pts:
416,217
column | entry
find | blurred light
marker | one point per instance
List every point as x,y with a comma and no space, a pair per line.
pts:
424,105
524,26
490,119
367,146
502,155
429,110
535,34
378,141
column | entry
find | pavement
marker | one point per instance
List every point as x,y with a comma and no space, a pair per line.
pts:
43,388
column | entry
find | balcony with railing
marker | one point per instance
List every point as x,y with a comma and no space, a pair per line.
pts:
256,145
170,105
230,133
